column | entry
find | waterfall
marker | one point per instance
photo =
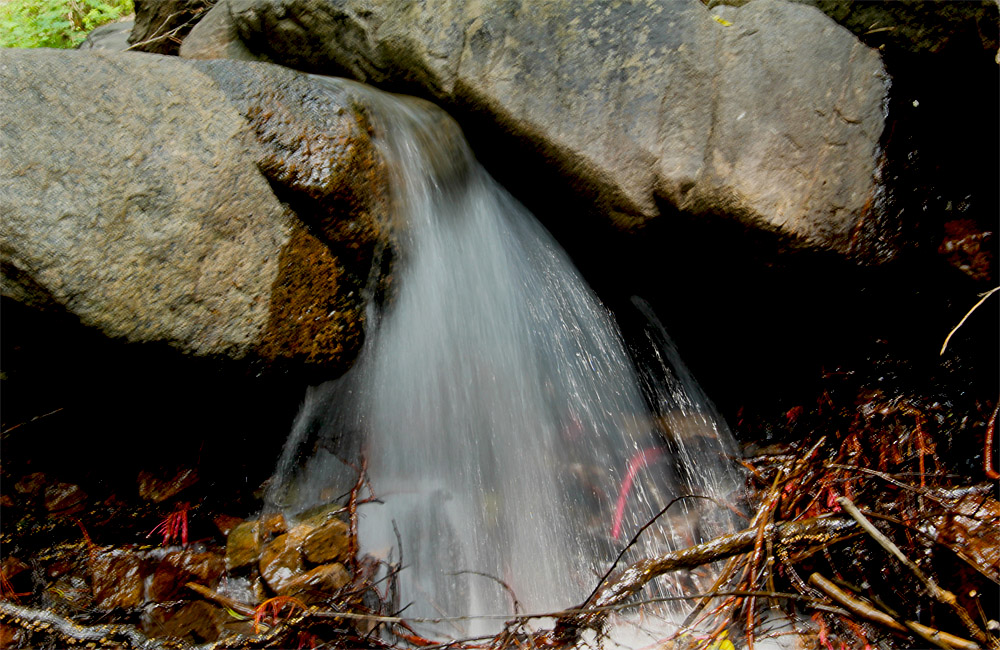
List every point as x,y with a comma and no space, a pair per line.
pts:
511,441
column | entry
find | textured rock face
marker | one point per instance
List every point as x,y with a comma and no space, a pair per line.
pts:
134,199
770,113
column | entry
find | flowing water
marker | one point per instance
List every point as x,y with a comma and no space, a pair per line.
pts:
513,444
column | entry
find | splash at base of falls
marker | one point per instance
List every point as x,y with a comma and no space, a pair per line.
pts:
512,444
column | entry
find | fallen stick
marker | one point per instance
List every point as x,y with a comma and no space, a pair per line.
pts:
869,612
783,535
942,595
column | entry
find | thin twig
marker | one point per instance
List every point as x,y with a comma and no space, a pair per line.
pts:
635,538
507,587
34,419
982,299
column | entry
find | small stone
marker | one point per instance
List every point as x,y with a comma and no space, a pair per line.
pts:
274,524
31,484
281,562
117,579
180,567
195,622
158,489
243,545
318,583
64,498
329,542
226,523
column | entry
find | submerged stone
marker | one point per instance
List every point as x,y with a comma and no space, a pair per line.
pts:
329,542
243,545
281,562
197,622
117,579
180,567
317,584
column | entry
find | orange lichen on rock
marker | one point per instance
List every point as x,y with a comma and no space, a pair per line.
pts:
312,319
331,173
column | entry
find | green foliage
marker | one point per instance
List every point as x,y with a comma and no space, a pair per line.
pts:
55,23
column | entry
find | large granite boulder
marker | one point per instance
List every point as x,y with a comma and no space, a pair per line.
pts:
770,113
222,208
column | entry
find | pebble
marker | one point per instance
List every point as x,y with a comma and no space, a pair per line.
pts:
116,579
180,567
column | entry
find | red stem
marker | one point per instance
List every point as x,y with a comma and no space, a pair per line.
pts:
637,462
991,429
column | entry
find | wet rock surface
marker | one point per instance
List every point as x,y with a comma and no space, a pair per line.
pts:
328,542
281,561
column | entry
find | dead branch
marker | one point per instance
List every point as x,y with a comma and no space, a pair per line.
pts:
869,612
783,535
942,595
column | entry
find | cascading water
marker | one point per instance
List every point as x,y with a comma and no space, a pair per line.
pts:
505,428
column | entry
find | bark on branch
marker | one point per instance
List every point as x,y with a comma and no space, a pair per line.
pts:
784,535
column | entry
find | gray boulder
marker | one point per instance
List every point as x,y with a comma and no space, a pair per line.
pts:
769,113
140,196
215,37
113,37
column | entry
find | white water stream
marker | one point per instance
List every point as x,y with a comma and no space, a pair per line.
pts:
504,424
